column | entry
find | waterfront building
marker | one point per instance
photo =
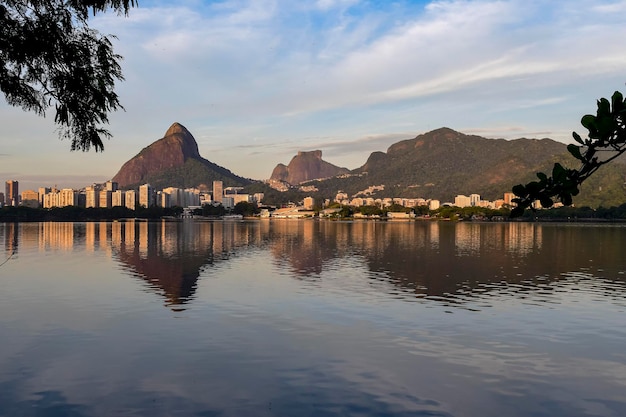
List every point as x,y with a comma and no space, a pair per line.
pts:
434,204
30,198
117,198
43,191
508,199
228,202
111,186
68,197
105,199
12,194
462,201
130,199
92,197
51,200
164,199
146,195
176,196
191,197
258,197
238,198
218,191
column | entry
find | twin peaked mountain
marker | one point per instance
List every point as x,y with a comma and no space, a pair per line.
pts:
174,161
439,164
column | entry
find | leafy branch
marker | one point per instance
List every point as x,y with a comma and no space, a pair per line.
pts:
605,141
50,57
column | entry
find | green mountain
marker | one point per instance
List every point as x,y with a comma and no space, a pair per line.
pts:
444,163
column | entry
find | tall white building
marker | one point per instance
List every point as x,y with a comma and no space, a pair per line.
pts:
146,195
218,191
106,199
176,196
117,198
68,197
92,197
111,186
130,199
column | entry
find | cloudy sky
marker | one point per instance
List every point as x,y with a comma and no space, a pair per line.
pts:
257,80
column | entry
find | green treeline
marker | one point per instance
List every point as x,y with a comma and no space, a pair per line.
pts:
73,213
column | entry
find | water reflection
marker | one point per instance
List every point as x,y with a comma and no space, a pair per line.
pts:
424,259
312,318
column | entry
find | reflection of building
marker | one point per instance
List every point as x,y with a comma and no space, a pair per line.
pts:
522,238
56,235
10,237
467,238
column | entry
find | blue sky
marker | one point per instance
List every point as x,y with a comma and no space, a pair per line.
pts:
257,80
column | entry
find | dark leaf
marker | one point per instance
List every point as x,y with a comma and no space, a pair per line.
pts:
577,138
520,191
575,151
546,202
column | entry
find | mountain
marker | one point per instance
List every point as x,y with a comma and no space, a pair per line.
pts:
444,163
174,161
306,166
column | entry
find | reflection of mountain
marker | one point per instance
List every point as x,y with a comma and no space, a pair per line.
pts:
174,276
169,256
455,261
451,261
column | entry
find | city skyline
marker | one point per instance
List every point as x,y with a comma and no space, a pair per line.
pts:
257,81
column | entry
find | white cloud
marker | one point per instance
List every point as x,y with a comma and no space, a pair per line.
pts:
332,4
289,72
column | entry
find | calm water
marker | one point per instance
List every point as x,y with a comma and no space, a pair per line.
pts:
306,318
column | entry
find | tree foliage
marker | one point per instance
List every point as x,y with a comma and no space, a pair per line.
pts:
605,141
50,57
246,209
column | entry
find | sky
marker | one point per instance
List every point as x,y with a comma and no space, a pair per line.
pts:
256,81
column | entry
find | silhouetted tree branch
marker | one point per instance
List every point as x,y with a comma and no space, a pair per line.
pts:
50,57
606,141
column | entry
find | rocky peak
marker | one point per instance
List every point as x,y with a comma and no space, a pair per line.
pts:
305,166
171,151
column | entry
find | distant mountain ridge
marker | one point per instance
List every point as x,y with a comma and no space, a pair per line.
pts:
443,163
174,161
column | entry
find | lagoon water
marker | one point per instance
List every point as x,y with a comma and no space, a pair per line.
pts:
312,318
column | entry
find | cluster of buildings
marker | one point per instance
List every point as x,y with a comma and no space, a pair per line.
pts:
473,200
109,195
